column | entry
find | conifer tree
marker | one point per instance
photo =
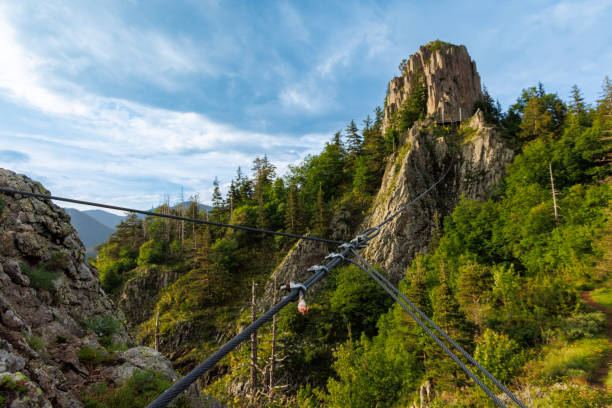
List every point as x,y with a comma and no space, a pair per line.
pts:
353,140
577,107
537,121
217,202
450,318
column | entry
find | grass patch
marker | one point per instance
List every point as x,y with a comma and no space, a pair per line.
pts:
401,155
40,277
603,296
575,360
574,396
466,133
92,356
138,391
36,343
103,326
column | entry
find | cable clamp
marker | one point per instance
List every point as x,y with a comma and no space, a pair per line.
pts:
317,268
360,241
335,255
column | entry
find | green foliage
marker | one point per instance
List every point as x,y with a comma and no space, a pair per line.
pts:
576,360
583,325
603,296
358,301
40,276
574,396
102,325
369,375
225,253
150,253
2,206
500,355
36,343
94,356
437,45
415,106
138,391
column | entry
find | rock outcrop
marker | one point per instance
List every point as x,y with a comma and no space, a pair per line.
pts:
449,76
477,158
53,313
140,294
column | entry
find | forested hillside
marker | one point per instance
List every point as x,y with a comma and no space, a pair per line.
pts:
506,277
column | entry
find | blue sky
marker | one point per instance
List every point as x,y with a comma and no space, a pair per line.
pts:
127,101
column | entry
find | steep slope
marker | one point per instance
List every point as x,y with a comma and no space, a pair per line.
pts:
476,157
474,151
59,331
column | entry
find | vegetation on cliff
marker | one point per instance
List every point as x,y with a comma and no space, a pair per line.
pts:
502,276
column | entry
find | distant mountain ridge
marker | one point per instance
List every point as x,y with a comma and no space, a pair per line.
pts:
106,218
91,231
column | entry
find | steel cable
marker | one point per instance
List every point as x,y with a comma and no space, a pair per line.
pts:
167,396
174,217
452,355
440,331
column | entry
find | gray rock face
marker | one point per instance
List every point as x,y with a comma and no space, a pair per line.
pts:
451,80
139,294
47,291
477,167
295,267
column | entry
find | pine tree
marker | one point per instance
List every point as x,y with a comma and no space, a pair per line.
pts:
353,140
537,120
450,318
217,202
577,107
604,105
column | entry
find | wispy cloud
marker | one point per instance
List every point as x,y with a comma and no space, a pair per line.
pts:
570,14
111,139
13,156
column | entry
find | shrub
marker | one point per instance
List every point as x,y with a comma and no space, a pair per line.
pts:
499,354
138,391
36,343
103,325
576,396
2,205
151,253
583,325
40,277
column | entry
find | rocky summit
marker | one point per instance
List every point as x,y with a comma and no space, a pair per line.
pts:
449,76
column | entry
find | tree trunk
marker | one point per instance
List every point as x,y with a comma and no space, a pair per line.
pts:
554,195
273,351
253,348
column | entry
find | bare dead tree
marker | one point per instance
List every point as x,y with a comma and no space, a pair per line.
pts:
273,350
253,347
554,193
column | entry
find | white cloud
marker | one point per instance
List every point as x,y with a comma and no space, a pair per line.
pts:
572,15
108,144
